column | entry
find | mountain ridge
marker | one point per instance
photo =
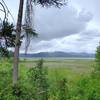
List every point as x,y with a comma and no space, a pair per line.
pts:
58,54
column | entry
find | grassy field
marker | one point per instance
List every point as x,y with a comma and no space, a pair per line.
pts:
70,68
75,65
80,83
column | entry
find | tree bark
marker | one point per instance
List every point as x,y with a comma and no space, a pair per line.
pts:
17,42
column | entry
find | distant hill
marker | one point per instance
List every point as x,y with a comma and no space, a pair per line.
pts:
58,54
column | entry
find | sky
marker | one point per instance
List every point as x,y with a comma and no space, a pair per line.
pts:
72,28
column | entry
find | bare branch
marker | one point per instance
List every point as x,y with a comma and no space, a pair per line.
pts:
3,10
6,10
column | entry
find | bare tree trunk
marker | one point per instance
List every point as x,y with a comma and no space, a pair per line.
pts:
17,46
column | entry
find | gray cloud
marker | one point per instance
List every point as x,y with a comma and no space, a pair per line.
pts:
89,35
64,30
92,6
54,23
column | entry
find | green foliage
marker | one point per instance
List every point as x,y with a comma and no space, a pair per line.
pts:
6,33
30,31
37,84
98,58
4,52
7,38
38,77
63,90
86,88
96,71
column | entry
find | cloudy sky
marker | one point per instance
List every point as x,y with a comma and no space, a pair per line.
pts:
73,28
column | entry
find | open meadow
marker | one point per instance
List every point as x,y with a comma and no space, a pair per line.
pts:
61,79
63,65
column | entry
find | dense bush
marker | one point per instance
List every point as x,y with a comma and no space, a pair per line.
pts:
87,89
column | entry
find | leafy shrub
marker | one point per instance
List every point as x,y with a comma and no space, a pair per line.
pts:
63,90
38,78
97,59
